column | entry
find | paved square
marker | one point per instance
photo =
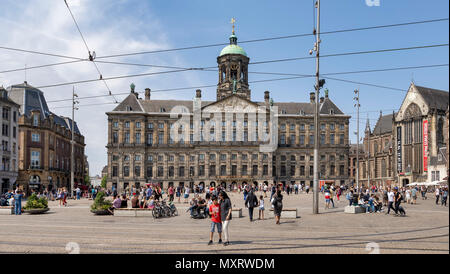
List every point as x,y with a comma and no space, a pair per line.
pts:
425,229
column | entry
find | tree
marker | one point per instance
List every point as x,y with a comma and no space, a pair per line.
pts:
87,180
103,185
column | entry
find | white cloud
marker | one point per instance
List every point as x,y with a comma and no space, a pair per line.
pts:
48,27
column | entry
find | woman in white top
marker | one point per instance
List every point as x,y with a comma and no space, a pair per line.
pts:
408,196
261,208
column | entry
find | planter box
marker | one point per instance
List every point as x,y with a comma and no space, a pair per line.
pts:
6,210
286,213
36,211
133,212
354,209
236,212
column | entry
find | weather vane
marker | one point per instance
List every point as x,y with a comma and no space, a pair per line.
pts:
232,22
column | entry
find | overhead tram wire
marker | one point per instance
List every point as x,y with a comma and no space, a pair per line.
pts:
254,63
275,38
273,73
89,52
221,44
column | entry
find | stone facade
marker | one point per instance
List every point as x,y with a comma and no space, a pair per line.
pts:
377,157
418,133
142,149
45,143
10,129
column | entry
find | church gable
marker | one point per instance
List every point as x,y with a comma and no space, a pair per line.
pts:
413,105
232,103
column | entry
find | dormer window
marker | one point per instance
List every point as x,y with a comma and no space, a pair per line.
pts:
35,120
129,108
331,111
162,110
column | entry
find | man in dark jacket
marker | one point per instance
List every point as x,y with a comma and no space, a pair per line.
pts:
251,202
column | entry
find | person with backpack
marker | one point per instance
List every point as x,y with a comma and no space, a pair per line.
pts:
277,203
398,197
251,202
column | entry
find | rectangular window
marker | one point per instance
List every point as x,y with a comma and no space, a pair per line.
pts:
149,171
332,137
201,170
137,171
160,171
171,171
138,138
138,124
292,170
311,139
331,126
233,170
161,138
181,171
35,137
265,170
212,170
244,169
114,171
302,139
341,139
137,157
126,171
322,139
127,137
150,125
161,125
223,170
115,137
35,159
127,124
302,170
254,170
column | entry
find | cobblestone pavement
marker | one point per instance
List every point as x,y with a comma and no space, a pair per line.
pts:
425,229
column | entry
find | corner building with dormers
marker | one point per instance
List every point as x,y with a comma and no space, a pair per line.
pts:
141,149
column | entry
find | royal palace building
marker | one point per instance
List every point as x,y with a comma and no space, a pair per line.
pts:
232,140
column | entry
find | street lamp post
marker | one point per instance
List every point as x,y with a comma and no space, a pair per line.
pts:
72,142
316,115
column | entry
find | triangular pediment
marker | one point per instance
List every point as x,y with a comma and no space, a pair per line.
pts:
413,105
232,103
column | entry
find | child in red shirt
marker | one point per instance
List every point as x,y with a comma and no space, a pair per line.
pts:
214,211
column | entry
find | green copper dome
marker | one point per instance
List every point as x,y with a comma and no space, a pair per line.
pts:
233,48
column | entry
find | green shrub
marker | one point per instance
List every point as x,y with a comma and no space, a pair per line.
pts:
100,203
34,202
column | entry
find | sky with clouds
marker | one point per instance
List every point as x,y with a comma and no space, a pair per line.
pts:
123,26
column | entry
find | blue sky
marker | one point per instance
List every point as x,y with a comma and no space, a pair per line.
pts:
112,27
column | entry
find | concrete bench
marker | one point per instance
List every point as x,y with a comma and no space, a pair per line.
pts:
287,213
133,212
6,210
354,209
236,212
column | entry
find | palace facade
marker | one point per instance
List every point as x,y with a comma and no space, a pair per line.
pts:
232,140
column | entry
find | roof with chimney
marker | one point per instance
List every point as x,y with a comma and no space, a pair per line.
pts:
132,103
31,99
